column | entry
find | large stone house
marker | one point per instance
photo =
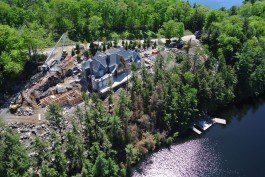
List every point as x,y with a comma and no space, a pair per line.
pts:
105,67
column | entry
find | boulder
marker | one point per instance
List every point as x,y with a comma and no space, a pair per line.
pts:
60,89
24,111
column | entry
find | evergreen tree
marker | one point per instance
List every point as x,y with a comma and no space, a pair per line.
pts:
72,53
124,113
126,45
14,159
77,48
87,170
54,115
110,101
74,150
92,48
104,47
40,148
115,43
100,168
47,171
115,129
60,162
155,45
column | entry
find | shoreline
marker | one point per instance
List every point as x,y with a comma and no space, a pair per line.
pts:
189,135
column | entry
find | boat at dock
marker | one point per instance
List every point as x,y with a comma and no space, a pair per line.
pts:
203,125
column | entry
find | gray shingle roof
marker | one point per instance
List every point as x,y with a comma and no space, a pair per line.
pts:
98,60
112,59
126,54
95,65
135,56
109,60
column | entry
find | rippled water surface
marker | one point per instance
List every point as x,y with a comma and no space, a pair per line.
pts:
237,149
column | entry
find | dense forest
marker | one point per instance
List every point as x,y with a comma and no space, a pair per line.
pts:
30,25
158,107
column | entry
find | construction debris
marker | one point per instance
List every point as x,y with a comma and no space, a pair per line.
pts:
28,131
24,111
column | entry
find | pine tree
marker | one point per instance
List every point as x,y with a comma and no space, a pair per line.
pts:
155,45
74,150
77,47
126,45
40,148
47,171
72,53
148,42
87,170
144,45
14,159
115,43
100,168
54,115
110,101
124,113
104,47
60,161
92,48
115,131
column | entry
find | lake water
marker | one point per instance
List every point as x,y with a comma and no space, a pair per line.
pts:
216,4
235,149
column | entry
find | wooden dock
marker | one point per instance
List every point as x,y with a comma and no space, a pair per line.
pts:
219,121
196,130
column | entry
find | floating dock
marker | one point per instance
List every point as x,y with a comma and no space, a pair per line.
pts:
204,125
196,130
218,120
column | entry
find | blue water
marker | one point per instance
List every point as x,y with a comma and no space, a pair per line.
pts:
233,150
216,4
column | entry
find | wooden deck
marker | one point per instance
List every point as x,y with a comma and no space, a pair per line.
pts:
116,83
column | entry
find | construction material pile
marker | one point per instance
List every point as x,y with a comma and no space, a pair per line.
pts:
28,131
24,111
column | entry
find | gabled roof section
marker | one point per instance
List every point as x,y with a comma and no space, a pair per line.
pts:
112,51
98,53
99,59
136,56
126,54
113,59
95,65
